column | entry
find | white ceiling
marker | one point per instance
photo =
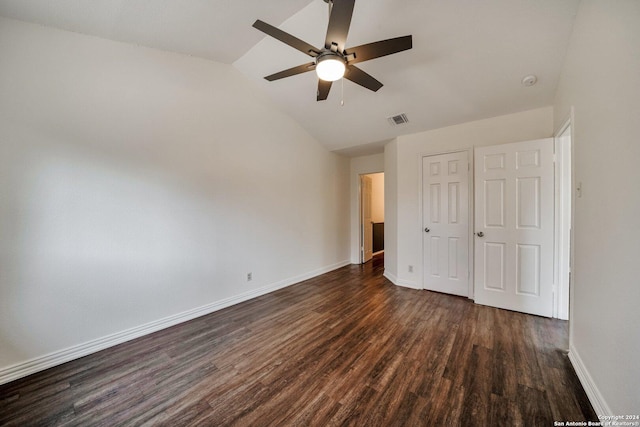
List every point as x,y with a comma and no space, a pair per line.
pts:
466,64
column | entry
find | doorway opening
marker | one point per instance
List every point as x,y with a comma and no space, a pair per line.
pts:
371,215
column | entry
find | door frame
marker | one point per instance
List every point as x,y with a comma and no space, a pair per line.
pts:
361,216
360,207
563,261
470,182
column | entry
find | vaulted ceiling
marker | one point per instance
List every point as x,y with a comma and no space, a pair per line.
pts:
467,61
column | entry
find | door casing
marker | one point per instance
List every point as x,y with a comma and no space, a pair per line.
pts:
564,218
366,226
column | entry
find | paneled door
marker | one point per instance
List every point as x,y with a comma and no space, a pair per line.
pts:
445,213
514,205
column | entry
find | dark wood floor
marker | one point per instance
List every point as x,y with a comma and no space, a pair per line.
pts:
345,348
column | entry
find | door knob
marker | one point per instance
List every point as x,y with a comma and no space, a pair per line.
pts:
480,233
426,230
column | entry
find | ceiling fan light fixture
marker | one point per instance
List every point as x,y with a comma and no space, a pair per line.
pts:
330,67
335,60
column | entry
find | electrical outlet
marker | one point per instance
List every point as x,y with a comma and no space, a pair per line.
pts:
411,269
249,277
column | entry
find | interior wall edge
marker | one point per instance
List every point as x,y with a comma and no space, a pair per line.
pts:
399,282
390,276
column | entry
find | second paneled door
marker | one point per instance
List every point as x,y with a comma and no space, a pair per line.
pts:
514,224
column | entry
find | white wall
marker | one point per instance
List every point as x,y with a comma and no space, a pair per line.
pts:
403,181
601,82
137,184
359,166
377,197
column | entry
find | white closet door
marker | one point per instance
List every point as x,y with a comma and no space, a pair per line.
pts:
445,211
514,205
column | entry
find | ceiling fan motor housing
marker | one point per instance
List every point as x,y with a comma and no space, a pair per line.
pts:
330,66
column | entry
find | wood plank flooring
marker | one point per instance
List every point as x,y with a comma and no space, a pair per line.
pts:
345,348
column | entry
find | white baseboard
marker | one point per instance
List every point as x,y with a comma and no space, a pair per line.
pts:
594,395
408,284
59,357
392,278
399,282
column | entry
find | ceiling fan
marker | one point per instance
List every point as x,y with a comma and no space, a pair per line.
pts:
334,61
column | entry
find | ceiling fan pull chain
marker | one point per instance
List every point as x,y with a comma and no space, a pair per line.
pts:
342,94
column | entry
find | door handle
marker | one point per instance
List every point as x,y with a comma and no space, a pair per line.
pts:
480,234
426,230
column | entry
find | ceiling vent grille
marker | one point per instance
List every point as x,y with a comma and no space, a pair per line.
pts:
399,119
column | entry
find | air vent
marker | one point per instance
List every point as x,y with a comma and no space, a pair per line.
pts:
400,119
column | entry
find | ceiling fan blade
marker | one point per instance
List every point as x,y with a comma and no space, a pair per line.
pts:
292,71
358,76
339,22
286,38
323,89
374,50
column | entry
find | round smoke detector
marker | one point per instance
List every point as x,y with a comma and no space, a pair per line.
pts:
529,80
